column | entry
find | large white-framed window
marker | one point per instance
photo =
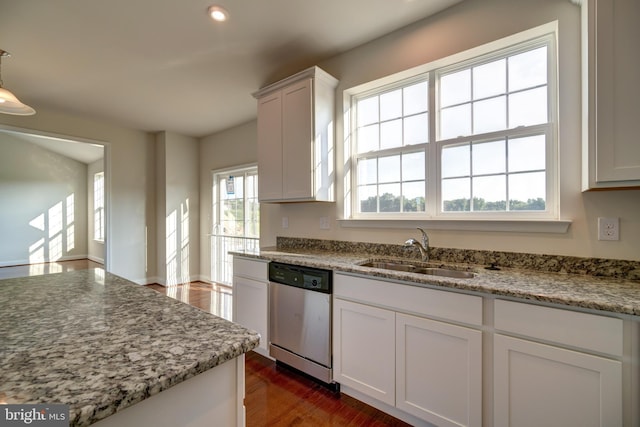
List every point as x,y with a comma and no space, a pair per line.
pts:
236,218
472,136
98,206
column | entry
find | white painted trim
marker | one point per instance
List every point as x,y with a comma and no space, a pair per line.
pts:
96,259
19,262
512,226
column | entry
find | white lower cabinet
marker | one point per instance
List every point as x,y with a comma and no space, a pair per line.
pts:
251,298
542,385
429,369
438,371
364,349
558,382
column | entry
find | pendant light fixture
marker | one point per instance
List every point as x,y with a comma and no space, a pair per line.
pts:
9,104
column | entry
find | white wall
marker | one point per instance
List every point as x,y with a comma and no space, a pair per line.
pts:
43,204
233,147
130,182
178,209
469,24
95,248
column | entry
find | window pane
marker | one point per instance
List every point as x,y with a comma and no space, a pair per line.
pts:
389,198
368,198
413,196
455,161
455,121
389,169
456,195
367,111
527,191
391,134
413,166
368,138
490,79
528,108
527,153
416,98
416,129
489,157
490,115
391,105
368,171
490,193
528,69
455,88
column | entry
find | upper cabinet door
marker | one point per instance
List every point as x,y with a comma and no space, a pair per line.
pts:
612,146
269,143
297,141
295,138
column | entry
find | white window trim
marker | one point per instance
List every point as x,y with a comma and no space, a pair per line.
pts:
548,221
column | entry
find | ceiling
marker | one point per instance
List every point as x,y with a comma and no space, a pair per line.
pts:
164,65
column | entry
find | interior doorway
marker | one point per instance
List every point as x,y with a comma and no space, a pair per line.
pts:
47,187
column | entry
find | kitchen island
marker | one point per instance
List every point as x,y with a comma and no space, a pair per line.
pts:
118,353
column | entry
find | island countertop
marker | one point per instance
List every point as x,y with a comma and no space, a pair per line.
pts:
614,295
100,343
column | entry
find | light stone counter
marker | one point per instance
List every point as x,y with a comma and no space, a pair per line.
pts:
605,292
100,343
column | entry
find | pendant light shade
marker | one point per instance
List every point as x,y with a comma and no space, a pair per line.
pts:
9,103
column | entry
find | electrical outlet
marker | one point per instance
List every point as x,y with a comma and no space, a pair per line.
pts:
608,229
324,223
285,222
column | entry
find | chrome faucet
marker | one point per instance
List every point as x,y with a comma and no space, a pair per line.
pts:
422,247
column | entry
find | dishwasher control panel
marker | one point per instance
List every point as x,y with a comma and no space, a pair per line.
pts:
302,277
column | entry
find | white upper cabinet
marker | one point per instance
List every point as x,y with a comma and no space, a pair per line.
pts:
611,32
296,138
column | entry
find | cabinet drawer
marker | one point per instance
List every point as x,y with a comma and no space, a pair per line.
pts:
587,331
251,268
410,299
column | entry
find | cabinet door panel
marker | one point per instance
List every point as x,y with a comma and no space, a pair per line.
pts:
364,349
250,304
439,371
297,141
270,147
541,385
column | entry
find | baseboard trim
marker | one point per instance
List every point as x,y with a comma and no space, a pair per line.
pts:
15,263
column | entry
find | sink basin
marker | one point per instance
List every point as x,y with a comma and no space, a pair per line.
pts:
410,268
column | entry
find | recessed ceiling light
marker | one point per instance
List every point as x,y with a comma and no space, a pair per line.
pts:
218,13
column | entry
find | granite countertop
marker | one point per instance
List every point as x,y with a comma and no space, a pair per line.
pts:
100,343
611,294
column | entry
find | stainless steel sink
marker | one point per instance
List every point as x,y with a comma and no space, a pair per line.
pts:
411,268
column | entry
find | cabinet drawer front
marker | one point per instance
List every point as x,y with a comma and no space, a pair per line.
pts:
410,299
251,268
588,331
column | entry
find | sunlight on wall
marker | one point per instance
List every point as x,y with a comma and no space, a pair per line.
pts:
177,246
58,232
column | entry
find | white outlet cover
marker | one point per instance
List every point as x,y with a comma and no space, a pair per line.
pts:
608,228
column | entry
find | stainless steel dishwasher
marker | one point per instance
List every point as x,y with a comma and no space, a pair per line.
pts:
300,318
